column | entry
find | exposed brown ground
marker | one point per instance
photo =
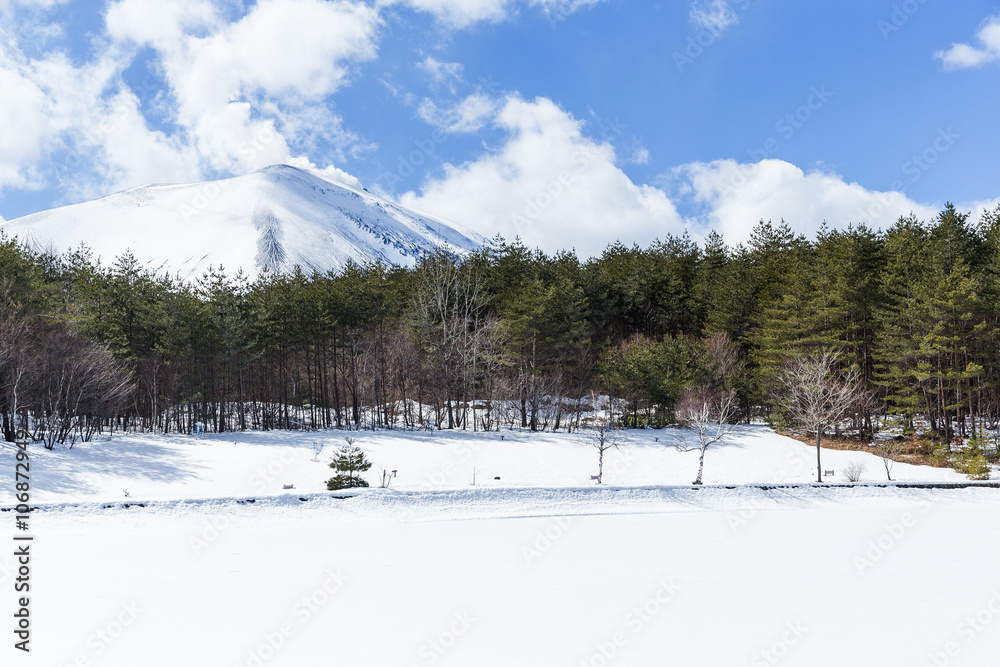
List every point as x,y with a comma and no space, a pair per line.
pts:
911,455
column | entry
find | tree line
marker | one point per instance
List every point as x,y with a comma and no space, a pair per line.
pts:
509,336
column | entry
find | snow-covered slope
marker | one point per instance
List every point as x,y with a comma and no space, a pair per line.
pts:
257,464
273,219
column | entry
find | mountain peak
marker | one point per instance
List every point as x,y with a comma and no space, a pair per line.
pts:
274,219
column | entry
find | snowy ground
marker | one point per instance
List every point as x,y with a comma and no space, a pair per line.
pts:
539,568
211,466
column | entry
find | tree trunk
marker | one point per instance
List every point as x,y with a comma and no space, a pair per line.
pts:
819,465
701,466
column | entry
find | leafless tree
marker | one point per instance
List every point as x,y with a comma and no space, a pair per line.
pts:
603,435
854,470
461,341
14,365
708,414
888,450
818,395
77,384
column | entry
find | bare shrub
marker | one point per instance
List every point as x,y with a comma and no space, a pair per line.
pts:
854,470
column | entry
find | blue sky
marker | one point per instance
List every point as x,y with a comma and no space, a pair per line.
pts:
571,123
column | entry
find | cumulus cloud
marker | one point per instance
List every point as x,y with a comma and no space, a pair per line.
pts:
549,184
243,90
732,197
965,56
23,105
226,76
557,188
716,16
245,85
51,101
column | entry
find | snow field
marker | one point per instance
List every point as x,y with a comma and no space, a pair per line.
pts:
262,463
270,586
538,568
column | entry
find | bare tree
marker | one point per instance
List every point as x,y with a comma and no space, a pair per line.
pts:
78,385
14,367
888,450
449,315
854,470
817,395
603,435
709,416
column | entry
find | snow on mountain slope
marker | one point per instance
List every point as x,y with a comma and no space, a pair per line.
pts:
274,219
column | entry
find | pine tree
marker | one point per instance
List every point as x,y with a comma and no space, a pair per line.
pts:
348,461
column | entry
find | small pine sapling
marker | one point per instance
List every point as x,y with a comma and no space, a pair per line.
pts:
348,461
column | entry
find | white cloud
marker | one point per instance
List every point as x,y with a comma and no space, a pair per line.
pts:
556,188
468,115
23,105
159,24
734,196
464,13
242,91
457,13
225,81
716,16
563,7
50,101
640,155
550,185
132,153
965,56
441,73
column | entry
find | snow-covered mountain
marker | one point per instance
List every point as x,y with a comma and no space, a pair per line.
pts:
273,219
